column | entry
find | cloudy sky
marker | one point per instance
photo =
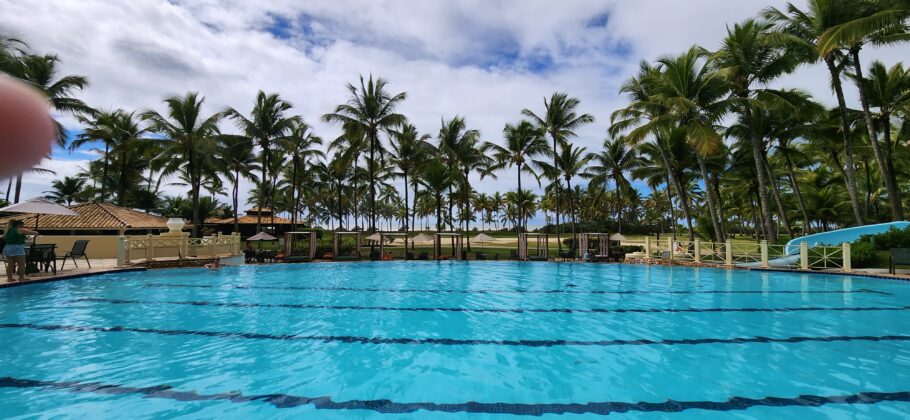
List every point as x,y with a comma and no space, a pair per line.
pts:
481,59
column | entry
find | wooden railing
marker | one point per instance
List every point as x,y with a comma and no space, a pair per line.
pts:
151,247
760,254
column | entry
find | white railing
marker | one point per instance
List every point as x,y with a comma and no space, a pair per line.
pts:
760,254
151,247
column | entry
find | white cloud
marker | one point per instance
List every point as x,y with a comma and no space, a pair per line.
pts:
485,60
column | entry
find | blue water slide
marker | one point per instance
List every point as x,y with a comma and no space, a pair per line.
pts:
830,238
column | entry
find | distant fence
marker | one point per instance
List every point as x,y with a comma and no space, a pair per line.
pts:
760,255
133,249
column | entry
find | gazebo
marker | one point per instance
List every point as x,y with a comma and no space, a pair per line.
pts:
437,245
390,236
601,242
336,246
541,247
300,246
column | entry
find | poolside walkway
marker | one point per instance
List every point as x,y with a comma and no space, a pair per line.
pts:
70,271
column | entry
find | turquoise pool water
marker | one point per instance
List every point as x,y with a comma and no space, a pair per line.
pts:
432,340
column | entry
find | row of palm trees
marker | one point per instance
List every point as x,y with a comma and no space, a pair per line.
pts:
705,133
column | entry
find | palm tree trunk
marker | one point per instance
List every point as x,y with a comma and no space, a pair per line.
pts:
9,188
556,178
18,188
520,210
414,213
263,181
894,195
104,172
407,218
758,153
775,190
121,184
850,167
235,196
372,174
572,215
799,195
294,197
722,217
677,185
467,203
709,193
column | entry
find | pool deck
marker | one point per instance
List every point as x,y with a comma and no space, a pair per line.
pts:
101,266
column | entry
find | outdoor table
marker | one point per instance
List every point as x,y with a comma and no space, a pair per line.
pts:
34,256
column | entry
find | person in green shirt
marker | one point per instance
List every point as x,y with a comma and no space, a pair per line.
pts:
14,249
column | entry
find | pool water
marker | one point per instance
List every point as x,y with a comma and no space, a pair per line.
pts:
419,340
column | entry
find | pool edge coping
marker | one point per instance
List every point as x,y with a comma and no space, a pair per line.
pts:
70,277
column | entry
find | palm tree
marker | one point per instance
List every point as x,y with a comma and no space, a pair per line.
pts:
300,144
266,124
437,177
236,161
570,162
127,143
560,121
98,128
888,90
748,58
852,36
409,149
524,141
369,110
612,164
644,118
799,31
41,72
691,92
191,142
67,190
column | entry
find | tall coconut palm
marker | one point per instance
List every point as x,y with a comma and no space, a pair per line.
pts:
66,190
799,31
42,72
613,163
300,145
437,177
643,118
692,92
127,143
268,122
190,139
409,150
888,90
523,143
98,127
236,161
560,120
748,59
570,163
369,110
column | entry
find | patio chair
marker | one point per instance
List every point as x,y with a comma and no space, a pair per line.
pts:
78,251
41,258
899,256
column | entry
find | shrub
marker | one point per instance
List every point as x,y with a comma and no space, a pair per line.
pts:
862,254
893,238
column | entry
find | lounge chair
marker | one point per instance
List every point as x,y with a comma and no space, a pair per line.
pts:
375,256
480,256
513,255
899,256
328,256
423,256
78,251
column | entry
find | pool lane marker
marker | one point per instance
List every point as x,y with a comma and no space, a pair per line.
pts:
456,342
279,400
485,291
485,310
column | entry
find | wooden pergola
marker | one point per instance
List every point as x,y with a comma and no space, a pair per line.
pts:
392,235
437,244
541,248
336,246
294,241
601,251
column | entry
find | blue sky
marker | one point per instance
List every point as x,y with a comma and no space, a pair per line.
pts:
481,59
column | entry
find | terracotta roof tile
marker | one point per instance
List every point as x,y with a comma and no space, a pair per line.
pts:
93,216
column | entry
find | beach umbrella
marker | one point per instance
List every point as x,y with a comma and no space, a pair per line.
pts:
376,237
481,239
422,237
38,206
617,237
262,236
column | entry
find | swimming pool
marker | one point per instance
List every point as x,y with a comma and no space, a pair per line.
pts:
457,339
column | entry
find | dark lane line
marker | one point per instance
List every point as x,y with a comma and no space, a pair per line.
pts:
483,310
457,342
279,400
484,291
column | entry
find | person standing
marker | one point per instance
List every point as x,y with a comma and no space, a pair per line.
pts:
14,250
